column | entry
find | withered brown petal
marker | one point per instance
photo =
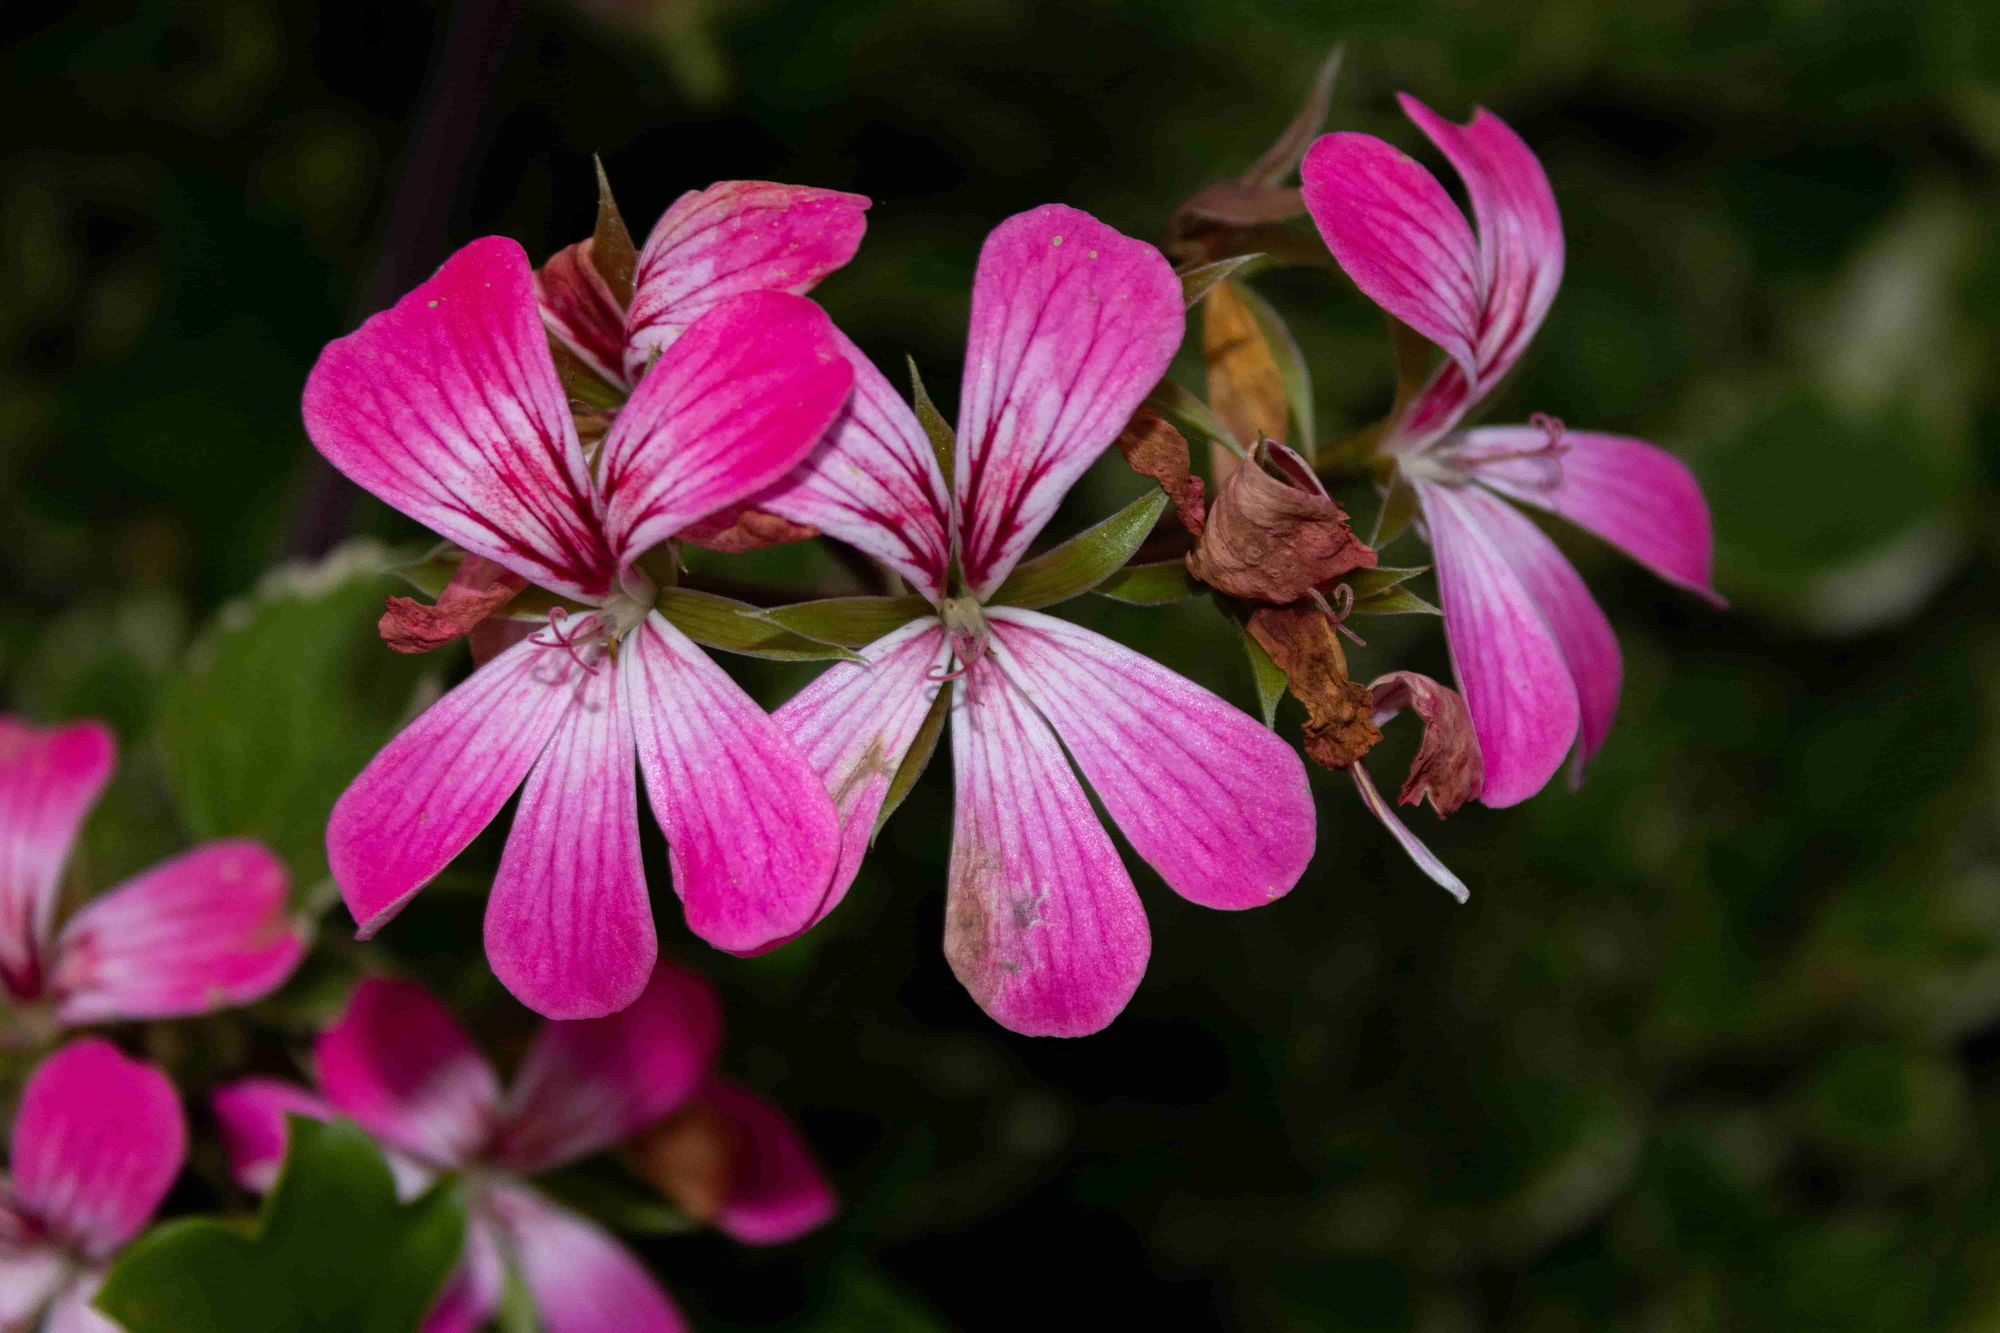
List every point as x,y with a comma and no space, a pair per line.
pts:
1340,722
1245,386
691,1158
1266,541
1152,448
476,591
1448,769
744,529
1239,204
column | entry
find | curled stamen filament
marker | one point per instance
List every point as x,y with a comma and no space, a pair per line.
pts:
1337,616
565,639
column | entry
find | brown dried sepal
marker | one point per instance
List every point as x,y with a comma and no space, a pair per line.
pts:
476,591
1340,713
1449,769
744,529
1244,385
1153,448
1266,541
692,1158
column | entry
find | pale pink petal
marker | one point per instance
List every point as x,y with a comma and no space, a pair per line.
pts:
430,791
580,312
447,407
1427,861
472,1293
777,1192
873,482
855,723
735,237
72,1311
49,779
731,407
751,833
1398,235
1635,495
251,1114
98,1140
568,927
1214,801
30,1278
588,1085
1073,323
206,930
1042,924
579,1277
1509,666
399,1065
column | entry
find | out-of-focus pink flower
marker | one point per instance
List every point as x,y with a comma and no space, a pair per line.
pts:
1533,652
448,407
1072,324
203,931
399,1065
97,1142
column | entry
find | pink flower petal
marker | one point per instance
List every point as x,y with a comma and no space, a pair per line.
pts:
447,407
98,1140
735,237
776,1191
432,789
1509,667
733,405
72,1311
854,724
399,1065
1212,799
31,1275
48,782
1427,861
1042,925
206,930
251,1115
472,1293
580,312
751,833
1635,495
1073,323
579,1277
873,482
568,927
588,1085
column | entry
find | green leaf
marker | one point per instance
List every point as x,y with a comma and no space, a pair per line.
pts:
283,699
1394,602
851,621
715,621
917,758
1191,416
1269,677
1291,368
943,441
332,1252
1158,583
1199,281
1085,560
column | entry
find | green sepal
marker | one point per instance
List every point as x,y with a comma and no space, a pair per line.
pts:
1199,281
1269,678
1291,368
715,621
1394,602
612,253
1399,509
1372,582
1159,583
1085,560
943,442
1191,416
850,621
915,759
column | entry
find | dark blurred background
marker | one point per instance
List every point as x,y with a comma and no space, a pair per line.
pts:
1714,1044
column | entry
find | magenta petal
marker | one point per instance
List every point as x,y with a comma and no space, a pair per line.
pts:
735,237
48,782
732,406
1427,860
399,1065
432,789
751,833
1509,666
206,930
472,1293
873,482
251,1115
72,1311
854,724
569,929
1212,799
777,1191
579,1277
1042,924
1635,495
98,1140
447,407
1073,323
590,1084
580,312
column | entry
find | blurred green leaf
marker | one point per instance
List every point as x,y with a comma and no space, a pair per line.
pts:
1085,560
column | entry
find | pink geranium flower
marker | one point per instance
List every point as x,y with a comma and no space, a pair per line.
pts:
97,1142
399,1065
1533,652
448,408
203,931
1072,324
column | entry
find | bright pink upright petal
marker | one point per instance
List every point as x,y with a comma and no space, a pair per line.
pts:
854,724
251,1115
1042,925
432,789
568,927
873,482
731,407
751,833
777,1192
590,1084
98,1140
447,407
579,1277
399,1065
1215,801
48,782
206,930
580,312
1073,323
1510,668
735,237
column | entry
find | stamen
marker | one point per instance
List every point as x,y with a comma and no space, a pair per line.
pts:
1343,594
565,639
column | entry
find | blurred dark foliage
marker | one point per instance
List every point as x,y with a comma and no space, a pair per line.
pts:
1715,1042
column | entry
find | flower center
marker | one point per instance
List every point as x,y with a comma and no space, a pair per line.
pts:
1450,463
965,627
